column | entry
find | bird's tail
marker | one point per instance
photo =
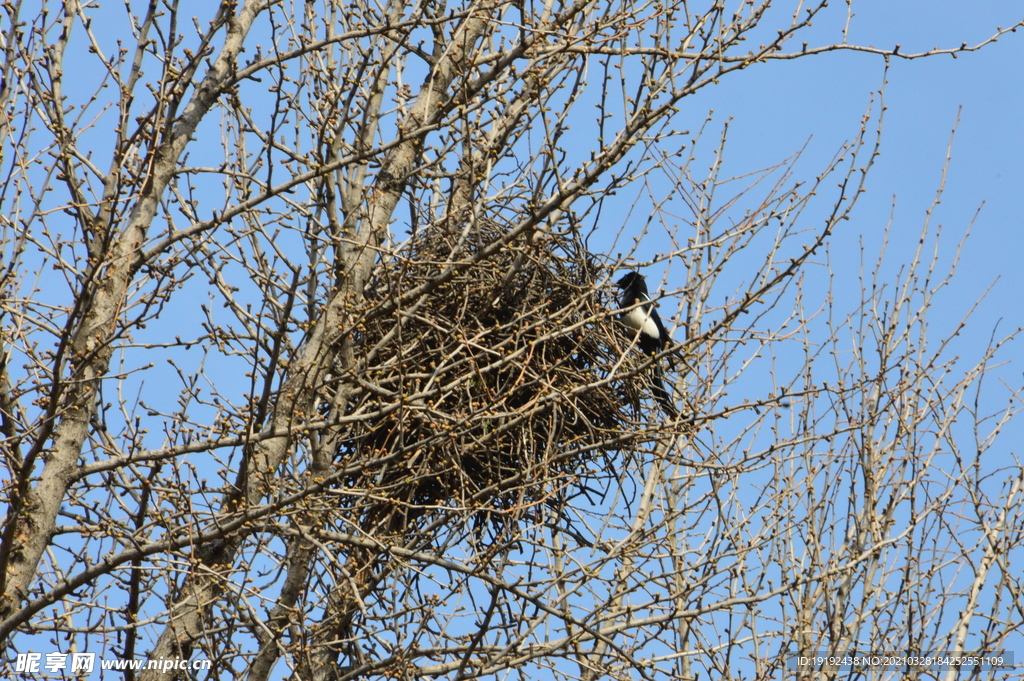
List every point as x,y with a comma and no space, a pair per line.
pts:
659,392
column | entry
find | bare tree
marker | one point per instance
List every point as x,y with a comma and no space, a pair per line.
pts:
312,367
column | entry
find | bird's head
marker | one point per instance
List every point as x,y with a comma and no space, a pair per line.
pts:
629,279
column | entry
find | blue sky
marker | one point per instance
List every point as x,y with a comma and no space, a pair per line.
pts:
775,108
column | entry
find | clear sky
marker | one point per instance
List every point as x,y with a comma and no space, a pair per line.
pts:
776,107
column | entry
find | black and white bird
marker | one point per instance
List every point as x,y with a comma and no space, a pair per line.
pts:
639,314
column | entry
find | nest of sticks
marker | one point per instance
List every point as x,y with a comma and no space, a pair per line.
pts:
501,389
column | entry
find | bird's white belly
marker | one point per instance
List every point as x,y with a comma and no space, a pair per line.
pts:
638,319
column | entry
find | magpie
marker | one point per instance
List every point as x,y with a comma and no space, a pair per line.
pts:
639,314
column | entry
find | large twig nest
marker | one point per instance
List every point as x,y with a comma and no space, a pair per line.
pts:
501,373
